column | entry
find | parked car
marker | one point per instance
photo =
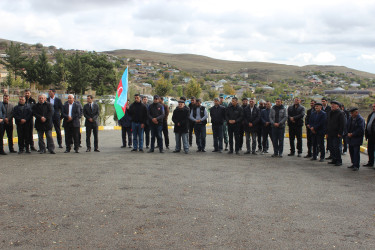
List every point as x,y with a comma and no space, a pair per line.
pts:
171,102
108,99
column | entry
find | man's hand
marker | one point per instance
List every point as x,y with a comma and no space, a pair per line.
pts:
267,124
142,125
1,120
154,120
43,119
232,121
350,135
91,120
291,119
23,121
70,118
198,121
6,120
276,125
250,124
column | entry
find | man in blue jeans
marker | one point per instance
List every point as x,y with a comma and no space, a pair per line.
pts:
180,119
138,112
278,117
199,116
217,113
155,113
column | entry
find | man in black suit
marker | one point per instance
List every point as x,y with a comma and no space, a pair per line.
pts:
72,115
370,137
56,118
8,123
43,112
91,113
30,102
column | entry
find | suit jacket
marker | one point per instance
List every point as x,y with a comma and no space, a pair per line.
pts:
43,110
357,128
2,112
76,115
253,117
22,112
91,113
57,107
371,133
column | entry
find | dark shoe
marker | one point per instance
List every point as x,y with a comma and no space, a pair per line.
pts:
97,150
247,152
76,150
355,169
12,151
299,155
42,151
133,150
141,150
32,149
67,151
80,145
351,166
273,155
186,152
280,156
313,159
237,153
20,152
161,151
321,160
88,150
60,146
147,147
329,158
214,151
167,147
176,151
338,164
2,152
291,154
331,162
199,150
220,151
150,151
28,151
52,152
203,151
254,153
230,152
123,146
307,156
368,165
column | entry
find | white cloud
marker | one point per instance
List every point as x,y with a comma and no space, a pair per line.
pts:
324,57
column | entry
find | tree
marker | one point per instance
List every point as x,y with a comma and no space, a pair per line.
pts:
60,71
212,93
14,60
30,74
247,94
80,74
43,70
163,87
228,90
193,89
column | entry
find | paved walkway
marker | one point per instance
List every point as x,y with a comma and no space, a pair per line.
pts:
119,200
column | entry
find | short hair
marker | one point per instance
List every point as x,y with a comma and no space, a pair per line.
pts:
43,95
312,100
268,101
183,98
26,90
91,97
53,90
136,94
21,96
199,100
193,98
235,98
143,97
252,99
324,99
216,99
5,95
71,95
278,98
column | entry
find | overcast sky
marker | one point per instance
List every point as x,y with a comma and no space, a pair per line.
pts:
324,32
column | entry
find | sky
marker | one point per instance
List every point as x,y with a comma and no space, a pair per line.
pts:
304,32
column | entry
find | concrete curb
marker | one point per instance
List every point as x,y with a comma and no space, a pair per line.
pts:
104,128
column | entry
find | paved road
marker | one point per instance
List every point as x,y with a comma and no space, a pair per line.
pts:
119,200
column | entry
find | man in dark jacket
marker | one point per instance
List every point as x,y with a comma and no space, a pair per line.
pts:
262,106
147,125
165,122
356,131
243,125
278,117
370,137
217,113
344,142
251,118
30,102
126,127
308,130
266,126
22,115
326,108
138,112
2,117
180,119
43,112
225,125
57,107
72,114
317,126
8,123
155,115
335,131
234,116
91,113
296,112
198,115
191,123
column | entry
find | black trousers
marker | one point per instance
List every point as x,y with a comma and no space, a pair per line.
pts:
56,124
241,131
31,132
309,137
266,131
2,130
128,131
355,155
23,136
49,138
8,128
259,137
334,148
165,134
191,128
94,129
234,131
295,132
371,149
318,146
71,137
147,135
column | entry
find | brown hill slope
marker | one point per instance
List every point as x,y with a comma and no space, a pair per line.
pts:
201,64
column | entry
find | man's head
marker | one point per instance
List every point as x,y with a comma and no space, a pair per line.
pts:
5,98
234,101
137,98
245,101
90,98
161,99
70,99
373,107
193,100
221,99
278,102
27,93
252,102
354,112
216,102
198,102
21,100
156,99
52,93
297,101
268,104
312,103
324,101
183,98
144,99
41,98
318,107
335,105
181,104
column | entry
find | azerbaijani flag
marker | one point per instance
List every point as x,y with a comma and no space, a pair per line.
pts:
122,95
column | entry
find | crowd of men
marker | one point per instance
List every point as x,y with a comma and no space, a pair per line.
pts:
330,129
43,115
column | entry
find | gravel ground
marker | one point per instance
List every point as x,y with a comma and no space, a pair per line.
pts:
117,199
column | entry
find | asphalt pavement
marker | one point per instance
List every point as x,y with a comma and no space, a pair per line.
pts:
117,199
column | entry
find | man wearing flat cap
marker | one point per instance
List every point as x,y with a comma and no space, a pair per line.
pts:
317,125
356,130
370,136
155,115
335,130
198,115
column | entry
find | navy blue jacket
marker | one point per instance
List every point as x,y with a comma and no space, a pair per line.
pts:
217,115
318,121
126,120
265,116
357,128
251,117
57,107
22,112
76,115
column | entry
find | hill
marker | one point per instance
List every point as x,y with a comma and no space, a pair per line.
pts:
202,64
